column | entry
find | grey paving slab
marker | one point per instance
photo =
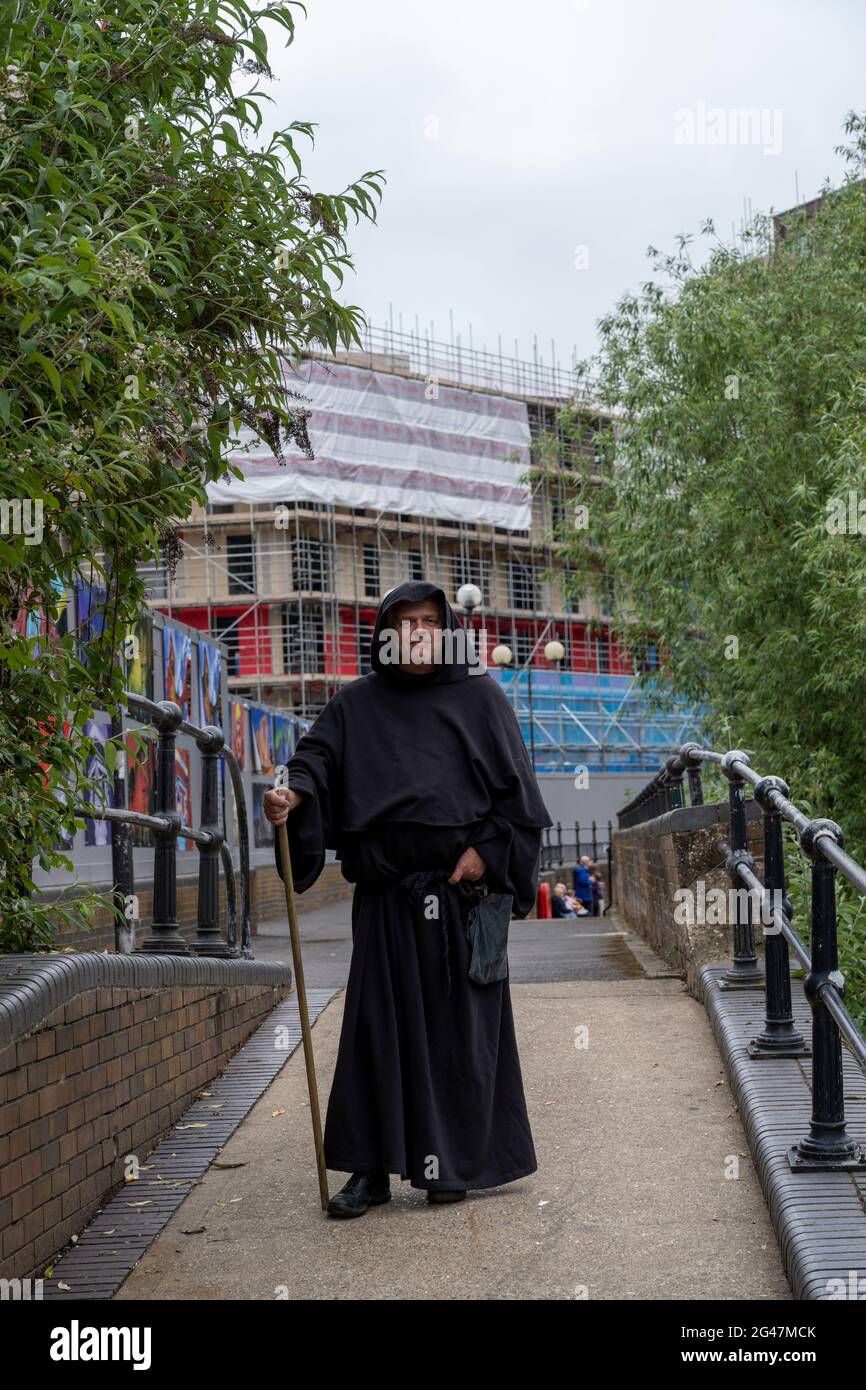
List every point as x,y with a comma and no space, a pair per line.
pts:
633,1132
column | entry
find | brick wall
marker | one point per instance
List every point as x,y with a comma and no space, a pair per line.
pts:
103,1074
269,895
678,850
267,899
100,936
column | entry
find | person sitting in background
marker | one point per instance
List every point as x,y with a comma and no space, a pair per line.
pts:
559,902
583,883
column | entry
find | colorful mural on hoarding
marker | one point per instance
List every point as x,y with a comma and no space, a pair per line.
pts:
177,668
209,674
262,740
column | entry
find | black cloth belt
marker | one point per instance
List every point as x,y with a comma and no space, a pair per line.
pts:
420,885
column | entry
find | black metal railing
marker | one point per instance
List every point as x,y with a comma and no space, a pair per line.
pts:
559,849
664,792
166,825
565,844
828,1144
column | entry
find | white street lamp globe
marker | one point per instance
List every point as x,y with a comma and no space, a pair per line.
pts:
502,655
554,651
469,596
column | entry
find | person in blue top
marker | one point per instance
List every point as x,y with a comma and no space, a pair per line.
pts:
583,882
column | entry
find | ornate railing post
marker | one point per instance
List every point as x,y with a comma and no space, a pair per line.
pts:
696,791
122,868
165,936
675,769
828,1144
744,972
692,765
208,939
779,1037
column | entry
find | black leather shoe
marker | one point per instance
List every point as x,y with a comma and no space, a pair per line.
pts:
443,1196
363,1190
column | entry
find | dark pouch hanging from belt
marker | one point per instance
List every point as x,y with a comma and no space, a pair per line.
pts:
487,934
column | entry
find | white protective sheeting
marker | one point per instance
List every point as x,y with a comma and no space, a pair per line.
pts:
396,444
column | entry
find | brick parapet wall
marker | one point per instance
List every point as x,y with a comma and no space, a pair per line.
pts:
679,850
99,1056
267,899
269,895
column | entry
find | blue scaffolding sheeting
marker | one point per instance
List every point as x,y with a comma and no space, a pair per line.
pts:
600,722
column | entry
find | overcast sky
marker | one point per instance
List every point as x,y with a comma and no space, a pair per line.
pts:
533,151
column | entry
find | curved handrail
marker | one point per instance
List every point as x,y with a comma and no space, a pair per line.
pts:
244,845
827,1147
231,898
157,823
156,713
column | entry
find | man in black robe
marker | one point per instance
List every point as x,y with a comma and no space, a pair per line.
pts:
418,777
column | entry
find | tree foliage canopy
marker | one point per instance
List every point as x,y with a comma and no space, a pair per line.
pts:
158,255
737,464
737,389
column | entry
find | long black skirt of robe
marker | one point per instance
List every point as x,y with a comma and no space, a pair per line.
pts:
427,1081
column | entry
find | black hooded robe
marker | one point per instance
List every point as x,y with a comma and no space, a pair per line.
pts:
401,773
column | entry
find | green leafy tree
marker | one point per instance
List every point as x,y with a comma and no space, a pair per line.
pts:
734,515
158,257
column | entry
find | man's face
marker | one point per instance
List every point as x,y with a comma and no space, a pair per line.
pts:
416,625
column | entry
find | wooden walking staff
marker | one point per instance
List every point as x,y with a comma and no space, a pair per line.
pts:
288,883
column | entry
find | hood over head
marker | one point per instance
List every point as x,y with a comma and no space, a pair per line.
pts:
394,748
415,591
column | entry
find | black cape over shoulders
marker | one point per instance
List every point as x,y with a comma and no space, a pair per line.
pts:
439,750
400,774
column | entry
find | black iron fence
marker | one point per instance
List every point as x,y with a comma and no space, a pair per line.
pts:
167,826
664,791
565,844
828,1144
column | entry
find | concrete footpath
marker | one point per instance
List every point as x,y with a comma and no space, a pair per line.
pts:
634,1133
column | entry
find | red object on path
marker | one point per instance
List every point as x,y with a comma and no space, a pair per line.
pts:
543,902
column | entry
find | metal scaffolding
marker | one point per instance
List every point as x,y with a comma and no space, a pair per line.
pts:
292,588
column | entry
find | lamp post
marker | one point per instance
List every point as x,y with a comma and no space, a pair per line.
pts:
503,656
469,596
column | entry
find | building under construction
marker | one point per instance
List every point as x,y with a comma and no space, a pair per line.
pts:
422,465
